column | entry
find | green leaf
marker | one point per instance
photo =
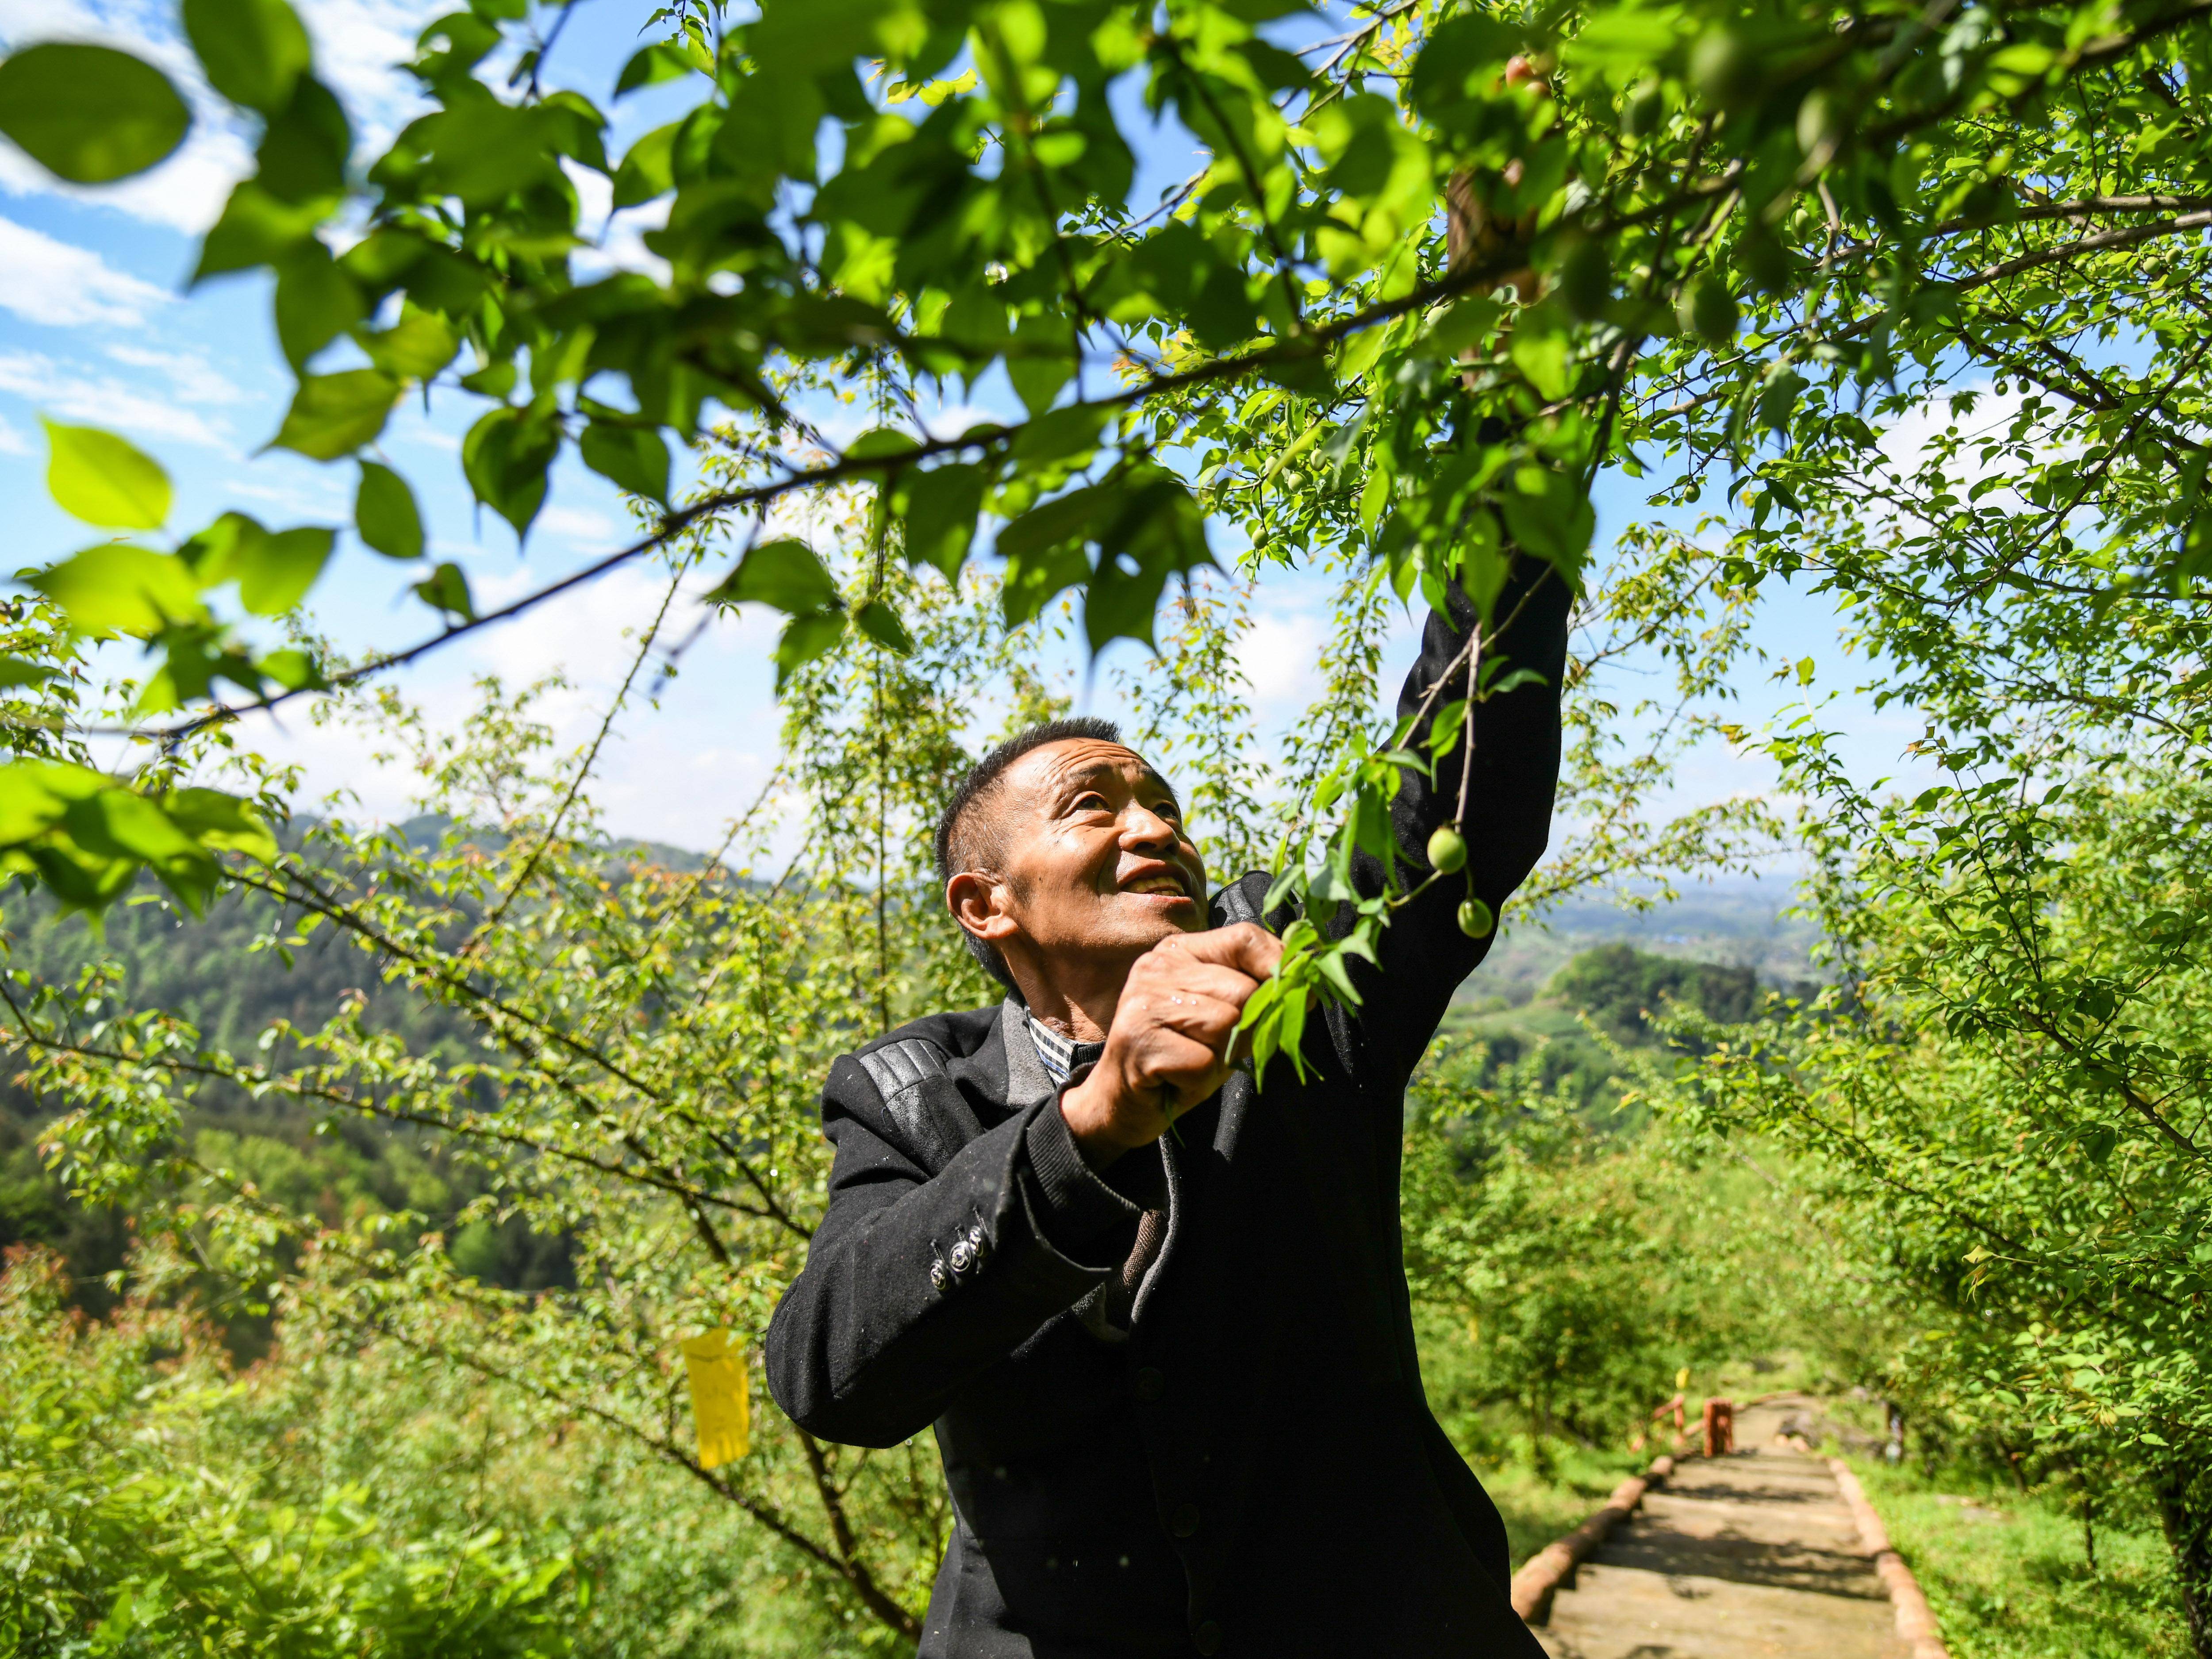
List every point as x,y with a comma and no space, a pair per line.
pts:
804,638
90,114
275,573
256,229
304,151
116,588
1059,433
447,590
942,505
879,441
415,347
1468,322
252,50
786,574
117,822
98,477
315,303
647,170
881,624
15,671
653,64
385,514
506,456
1542,355
634,458
220,821
33,795
1052,523
334,415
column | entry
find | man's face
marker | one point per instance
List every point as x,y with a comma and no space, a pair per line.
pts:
1094,857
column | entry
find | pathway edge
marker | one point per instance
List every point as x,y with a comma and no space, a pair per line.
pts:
1543,1573
1915,1619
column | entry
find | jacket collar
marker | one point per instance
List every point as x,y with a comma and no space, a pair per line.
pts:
1027,1080
1003,1075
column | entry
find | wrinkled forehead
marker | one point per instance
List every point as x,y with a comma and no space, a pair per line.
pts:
1054,768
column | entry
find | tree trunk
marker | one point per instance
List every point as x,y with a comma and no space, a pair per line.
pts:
2184,1505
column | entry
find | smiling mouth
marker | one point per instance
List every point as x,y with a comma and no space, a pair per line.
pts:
1163,886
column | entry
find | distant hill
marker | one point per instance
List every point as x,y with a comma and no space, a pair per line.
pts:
1735,921
425,830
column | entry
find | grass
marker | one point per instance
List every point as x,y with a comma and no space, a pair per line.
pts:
2008,1577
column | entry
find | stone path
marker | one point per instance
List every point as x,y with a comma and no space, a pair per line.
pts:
1749,1556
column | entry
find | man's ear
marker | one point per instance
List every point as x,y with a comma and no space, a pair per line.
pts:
978,901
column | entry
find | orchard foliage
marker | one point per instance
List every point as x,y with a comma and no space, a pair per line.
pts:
2005,1112
1436,267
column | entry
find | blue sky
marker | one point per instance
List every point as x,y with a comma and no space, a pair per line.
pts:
95,327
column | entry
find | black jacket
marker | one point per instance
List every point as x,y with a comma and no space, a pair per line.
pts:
1254,1469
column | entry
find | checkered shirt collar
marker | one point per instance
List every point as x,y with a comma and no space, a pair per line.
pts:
1062,1057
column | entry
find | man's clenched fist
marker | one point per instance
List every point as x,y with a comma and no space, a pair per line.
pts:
1173,1039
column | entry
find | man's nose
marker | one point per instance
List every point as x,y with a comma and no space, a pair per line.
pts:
1143,827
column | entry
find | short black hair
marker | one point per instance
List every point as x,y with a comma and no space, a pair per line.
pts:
955,850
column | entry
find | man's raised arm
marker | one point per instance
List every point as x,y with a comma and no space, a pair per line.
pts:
1424,953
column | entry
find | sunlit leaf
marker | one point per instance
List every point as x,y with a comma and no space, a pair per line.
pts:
116,588
90,114
385,514
787,575
253,51
104,479
333,414
632,457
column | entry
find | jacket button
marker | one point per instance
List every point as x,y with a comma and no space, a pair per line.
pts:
937,1275
1207,1638
964,1257
1151,1383
1184,1521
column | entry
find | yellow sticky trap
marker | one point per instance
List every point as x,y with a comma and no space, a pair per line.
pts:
719,1402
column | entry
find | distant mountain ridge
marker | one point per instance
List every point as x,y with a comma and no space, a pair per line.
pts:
1735,921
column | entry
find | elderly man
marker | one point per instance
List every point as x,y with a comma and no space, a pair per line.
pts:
1171,1369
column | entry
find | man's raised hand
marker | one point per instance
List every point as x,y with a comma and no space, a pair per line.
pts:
1173,1039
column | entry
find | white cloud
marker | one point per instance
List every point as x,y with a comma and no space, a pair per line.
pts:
579,633
101,402
581,524
359,46
184,193
1281,656
196,379
12,442
59,283
312,498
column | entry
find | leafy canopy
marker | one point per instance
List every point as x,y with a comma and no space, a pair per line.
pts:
1437,269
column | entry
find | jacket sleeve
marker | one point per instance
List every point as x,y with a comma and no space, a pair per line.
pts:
916,1282
1423,956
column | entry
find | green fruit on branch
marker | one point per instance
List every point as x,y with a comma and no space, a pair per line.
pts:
1725,71
1644,112
1585,280
1708,310
1475,920
1448,851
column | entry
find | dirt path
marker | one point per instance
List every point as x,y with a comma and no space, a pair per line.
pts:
1749,1556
